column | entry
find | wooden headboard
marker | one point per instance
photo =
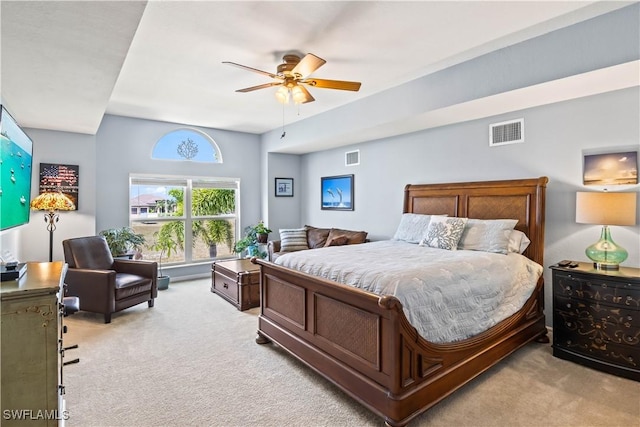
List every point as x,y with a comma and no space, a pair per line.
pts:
521,199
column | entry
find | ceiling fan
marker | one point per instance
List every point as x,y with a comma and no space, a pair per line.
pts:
292,74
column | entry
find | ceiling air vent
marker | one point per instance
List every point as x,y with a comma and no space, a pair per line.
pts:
509,132
352,158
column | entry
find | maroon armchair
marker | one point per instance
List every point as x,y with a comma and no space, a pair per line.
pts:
103,284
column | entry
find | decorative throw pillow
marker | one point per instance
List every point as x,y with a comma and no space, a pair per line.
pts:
293,239
487,235
518,242
338,241
353,237
316,237
412,227
444,232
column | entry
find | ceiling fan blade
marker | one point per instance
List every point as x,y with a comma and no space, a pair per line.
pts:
263,86
255,70
332,84
307,65
303,96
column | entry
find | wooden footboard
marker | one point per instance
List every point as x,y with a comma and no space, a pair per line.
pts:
364,344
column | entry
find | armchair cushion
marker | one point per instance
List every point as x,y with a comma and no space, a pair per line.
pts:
91,253
131,284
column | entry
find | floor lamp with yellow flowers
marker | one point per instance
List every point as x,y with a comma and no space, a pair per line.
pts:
52,202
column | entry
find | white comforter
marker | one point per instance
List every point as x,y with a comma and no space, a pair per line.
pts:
447,295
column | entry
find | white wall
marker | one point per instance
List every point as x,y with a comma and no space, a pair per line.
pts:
69,149
556,137
123,146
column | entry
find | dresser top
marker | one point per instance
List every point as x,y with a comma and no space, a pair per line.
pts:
587,267
40,277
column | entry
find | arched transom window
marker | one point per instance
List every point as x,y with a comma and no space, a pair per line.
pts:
187,144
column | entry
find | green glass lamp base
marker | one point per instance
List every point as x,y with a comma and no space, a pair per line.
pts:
605,253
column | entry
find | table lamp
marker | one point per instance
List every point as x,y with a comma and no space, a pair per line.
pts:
52,202
606,209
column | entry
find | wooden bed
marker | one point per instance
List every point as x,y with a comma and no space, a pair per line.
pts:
363,343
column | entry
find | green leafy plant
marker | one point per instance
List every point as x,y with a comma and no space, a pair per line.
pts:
122,240
213,232
251,239
165,243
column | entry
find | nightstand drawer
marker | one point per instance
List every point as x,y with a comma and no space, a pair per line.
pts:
602,315
593,345
617,293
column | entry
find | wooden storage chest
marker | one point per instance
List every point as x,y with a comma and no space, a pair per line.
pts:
237,281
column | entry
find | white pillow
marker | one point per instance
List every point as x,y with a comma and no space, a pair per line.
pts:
518,242
487,235
444,232
293,239
412,227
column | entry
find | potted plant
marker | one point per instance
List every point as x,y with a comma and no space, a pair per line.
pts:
213,232
165,243
123,241
250,241
262,232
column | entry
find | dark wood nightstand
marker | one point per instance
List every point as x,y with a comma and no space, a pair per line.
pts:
237,281
596,318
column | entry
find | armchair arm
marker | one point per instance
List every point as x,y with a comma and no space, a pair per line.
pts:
272,247
140,268
95,288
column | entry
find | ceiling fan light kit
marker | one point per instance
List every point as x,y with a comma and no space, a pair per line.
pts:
292,74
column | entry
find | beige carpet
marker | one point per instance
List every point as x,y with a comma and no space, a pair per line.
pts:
192,361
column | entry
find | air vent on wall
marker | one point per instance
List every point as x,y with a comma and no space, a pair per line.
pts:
509,132
352,158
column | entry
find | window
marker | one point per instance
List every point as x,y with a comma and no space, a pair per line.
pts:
187,144
164,207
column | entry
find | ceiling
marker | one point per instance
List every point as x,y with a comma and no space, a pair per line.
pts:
67,64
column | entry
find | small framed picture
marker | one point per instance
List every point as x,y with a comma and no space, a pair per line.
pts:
337,193
284,187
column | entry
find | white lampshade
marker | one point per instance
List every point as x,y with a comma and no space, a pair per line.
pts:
606,208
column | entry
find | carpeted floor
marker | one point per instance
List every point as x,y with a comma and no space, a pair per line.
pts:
192,361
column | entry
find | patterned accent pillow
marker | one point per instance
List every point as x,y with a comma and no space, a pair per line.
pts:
444,232
293,239
412,227
487,235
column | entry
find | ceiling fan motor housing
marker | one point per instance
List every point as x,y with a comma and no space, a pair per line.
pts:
290,62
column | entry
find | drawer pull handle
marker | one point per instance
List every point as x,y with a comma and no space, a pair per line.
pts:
225,286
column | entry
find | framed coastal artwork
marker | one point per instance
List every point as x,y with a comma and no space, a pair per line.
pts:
611,168
337,192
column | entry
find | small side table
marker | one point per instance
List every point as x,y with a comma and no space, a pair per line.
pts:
596,318
237,281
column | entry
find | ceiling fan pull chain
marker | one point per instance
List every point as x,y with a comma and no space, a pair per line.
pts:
283,132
